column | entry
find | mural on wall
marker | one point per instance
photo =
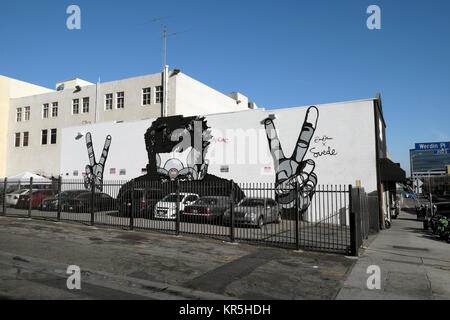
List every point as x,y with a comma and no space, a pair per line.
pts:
177,147
295,169
94,170
185,140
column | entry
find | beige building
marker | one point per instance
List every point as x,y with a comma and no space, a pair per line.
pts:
10,89
35,120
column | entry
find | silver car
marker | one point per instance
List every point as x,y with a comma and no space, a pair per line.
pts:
255,211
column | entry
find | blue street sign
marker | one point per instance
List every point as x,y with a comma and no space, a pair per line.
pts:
442,151
432,146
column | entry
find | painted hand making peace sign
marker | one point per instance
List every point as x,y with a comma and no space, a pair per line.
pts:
289,171
94,170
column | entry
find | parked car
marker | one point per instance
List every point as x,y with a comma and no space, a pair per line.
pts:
442,209
166,208
140,202
255,211
36,198
83,201
51,204
13,198
210,208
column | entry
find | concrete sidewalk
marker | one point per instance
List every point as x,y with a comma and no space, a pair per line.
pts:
414,264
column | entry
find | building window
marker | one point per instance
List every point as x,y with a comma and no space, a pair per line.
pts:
108,101
44,136
86,105
45,111
19,114
146,96
17,140
27,113
54,109
25,139
75,106
159,94
53,136
120,100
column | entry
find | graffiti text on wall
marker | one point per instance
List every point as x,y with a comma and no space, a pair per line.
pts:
324,149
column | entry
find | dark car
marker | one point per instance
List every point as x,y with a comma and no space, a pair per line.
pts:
83,202
139,201
208,209
256,212
442,209
36,198
51,204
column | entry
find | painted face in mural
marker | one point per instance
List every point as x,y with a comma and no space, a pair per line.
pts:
176,148
294,170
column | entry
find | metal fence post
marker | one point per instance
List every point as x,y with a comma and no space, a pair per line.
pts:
30,202
353,222
232,212
92,201
58,215
133,204
177,222
297,218
5,185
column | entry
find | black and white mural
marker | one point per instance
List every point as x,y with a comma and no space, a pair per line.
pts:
95,170
295,169
177,149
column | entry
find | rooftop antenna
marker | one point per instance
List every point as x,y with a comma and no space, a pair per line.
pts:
165,33
164,58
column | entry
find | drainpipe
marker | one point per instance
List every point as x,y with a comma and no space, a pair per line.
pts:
165,90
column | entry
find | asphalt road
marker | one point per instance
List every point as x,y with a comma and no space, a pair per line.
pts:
118,264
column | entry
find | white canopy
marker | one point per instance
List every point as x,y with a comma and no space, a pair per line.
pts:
25,177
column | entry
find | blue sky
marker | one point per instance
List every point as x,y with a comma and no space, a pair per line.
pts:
278,53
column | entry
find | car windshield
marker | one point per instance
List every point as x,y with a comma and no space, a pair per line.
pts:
70,193
207,201
443,207
252,203
20,191
172,198
83,196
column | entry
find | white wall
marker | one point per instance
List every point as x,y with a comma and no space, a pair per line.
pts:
194,98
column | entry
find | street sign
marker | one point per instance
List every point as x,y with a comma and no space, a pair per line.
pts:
432,146
442,151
